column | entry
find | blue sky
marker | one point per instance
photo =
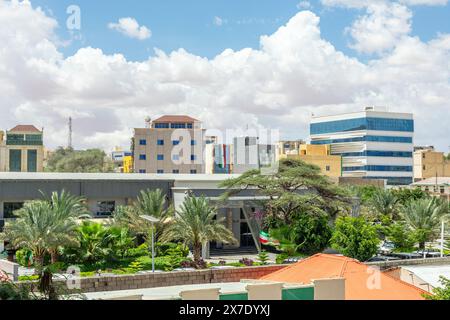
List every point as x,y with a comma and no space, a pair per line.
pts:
189,24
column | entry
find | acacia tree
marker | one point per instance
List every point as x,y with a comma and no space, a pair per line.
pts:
296,187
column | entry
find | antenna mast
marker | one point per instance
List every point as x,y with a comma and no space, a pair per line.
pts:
70,146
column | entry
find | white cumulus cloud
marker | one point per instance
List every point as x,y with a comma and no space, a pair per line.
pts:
131,28
295,72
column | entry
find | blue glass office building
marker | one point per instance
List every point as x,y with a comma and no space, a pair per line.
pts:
373,144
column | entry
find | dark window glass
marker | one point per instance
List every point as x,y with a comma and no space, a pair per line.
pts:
162,126
176,171
105,208
143,142
9,208
160,171
369,153
379,124
15,160
193,171
176,142
142,171
160,142
142,157
32,160
160,157
366,138
380,168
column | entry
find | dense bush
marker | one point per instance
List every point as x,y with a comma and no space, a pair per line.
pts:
355,238
167,263
24,257
403,239
171,249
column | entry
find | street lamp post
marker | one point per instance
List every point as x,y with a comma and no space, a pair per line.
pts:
152,220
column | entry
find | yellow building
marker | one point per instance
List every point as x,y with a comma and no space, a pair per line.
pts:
429,163
23,150
319,155
128,164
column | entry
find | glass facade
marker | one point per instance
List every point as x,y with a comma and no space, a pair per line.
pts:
395,154
379,168
162,125
366,138
24,139
378,124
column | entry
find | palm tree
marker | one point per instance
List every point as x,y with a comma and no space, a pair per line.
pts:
93,242
151,203
66,210
424,217
385,203
33,229
195,225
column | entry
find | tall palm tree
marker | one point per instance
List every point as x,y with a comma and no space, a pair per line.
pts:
149,202
385,203
195,225
33,229
67,209
424,217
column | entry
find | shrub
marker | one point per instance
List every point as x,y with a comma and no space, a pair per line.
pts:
171,249
355,238
263,257
161,263
28,278
24,257
201,264
247,262
402,238
140,251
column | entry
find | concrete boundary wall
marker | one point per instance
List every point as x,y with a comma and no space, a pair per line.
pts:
10,268
384,265
168,279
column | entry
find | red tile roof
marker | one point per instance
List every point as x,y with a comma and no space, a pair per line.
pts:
25,128
175,119
360,279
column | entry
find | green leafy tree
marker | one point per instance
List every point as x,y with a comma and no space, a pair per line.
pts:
83,161
355,238
399,234
296,187
406,195
195,225
120,241
149,202
442,293
93,243
424,218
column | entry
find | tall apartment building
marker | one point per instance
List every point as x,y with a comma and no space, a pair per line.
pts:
319,155
373,144
170,144
249,154
429,163
22,150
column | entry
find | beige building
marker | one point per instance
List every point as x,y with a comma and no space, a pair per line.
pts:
22,149
170,145
429,163
319,155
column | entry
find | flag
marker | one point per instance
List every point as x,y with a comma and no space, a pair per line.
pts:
264,237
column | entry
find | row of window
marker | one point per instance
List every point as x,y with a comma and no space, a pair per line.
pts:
379,168
371,153
379,124
160,157
366,138
143,142
394,181
174,125
176,171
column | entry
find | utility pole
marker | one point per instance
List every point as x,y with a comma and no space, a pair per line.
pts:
69,142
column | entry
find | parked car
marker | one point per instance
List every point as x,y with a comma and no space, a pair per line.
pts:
381,258
429,253
404,256
386,248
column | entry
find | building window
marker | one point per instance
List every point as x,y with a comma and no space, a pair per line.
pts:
105,208
376,124
178,125
328,168
143,142
160,172
143,157
32,160
160,142
176,171
160,157
423,156
15,160
424,167
176,142
9,208
176,157
442,190
162,126
193,157
193,143
190,125
142,171
193,171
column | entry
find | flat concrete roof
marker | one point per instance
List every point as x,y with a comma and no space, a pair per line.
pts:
430,274
114,176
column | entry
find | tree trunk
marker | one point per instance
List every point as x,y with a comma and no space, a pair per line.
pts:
54,256
197,252
38,262
422,245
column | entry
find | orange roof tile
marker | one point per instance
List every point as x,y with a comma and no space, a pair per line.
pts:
360,279
25,128
179,119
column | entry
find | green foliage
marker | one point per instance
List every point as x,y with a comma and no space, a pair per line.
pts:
83,161
171,249
285,189
405,195
161,263
28,278
365,193
355,238
151,203
140,251
442,293
195,225
402,238
12,291
385,203
24,257
424,218
263,257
